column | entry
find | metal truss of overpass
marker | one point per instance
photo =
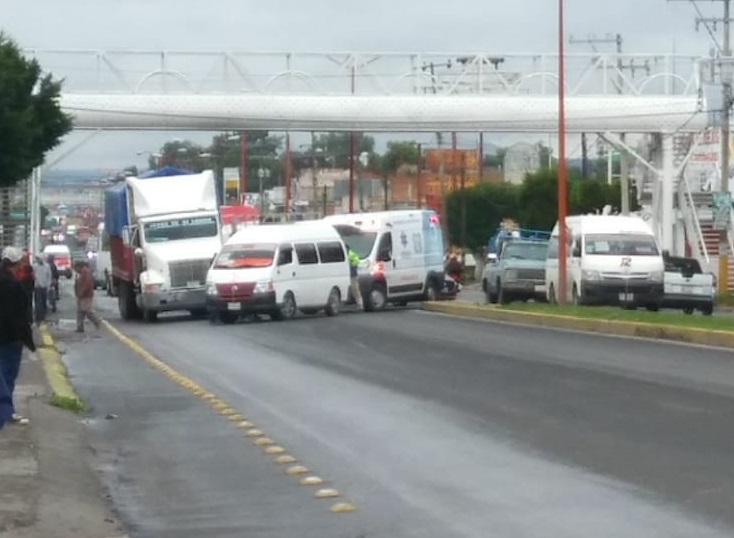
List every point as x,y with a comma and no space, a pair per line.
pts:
388,92
376,91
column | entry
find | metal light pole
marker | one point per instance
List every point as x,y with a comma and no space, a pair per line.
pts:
725,127
262,173
562,171
244,162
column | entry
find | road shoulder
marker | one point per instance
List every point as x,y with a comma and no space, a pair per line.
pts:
671,333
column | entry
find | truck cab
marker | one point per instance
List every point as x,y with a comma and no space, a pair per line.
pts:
162,244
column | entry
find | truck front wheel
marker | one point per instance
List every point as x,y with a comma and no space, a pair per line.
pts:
126,302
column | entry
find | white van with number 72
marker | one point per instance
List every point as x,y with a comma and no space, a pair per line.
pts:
611,260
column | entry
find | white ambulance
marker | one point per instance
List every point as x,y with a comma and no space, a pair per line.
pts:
401,253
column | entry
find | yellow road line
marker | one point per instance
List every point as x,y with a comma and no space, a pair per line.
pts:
224,409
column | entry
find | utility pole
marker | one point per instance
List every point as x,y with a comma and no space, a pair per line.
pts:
314,180
725,71
725,127
616,40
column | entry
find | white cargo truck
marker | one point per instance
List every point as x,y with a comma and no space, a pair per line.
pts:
164,233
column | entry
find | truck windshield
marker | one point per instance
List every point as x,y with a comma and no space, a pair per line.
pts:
175,229
245,256
621,245
359,241
525,251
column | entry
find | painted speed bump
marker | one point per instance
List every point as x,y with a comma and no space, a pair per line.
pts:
264,441
311,481
275,449
341,508
297,470
285,459
326,493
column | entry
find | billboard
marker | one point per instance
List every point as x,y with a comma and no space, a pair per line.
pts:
231,180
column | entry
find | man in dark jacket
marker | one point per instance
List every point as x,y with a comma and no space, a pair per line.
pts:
15,330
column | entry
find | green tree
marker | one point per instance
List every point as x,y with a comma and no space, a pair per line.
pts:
399,153
263,152
31,120
337,146
486,205
534,204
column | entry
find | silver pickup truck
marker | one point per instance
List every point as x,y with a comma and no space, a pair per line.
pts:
518,274
687,287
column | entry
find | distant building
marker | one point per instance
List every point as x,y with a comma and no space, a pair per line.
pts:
521,159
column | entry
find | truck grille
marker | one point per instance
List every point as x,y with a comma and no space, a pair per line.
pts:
531,274
187,272
625,276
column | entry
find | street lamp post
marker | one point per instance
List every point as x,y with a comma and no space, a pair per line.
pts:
262,173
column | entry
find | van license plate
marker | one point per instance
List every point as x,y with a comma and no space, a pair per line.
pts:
626,297
193,284
233,306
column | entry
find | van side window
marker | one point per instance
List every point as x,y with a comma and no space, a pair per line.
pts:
306,254
553,248
285,255
384,251
331,252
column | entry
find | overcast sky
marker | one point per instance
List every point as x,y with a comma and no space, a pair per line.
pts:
496,26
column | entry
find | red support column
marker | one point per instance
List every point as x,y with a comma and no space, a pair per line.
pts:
352,164
287,176
244,163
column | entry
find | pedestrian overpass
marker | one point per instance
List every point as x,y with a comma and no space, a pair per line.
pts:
608,94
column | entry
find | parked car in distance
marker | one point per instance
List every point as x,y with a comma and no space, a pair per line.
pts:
687,287
518,273
278,269
62,258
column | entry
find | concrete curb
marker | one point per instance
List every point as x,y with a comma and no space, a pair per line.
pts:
617,328
64,395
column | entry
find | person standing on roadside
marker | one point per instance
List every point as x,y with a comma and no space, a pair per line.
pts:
354,260
42,274
53,291
15,330
84,291
24,274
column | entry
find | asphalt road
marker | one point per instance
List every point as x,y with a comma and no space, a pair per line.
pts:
431,426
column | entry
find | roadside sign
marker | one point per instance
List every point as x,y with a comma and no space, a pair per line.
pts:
231,179
722,210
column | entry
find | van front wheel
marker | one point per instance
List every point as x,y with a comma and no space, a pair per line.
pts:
287,310
376,299
333,303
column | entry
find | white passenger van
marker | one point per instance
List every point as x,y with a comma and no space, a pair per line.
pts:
401,252
611,260
278,269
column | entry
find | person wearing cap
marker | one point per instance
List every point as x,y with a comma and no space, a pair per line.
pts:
15,329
